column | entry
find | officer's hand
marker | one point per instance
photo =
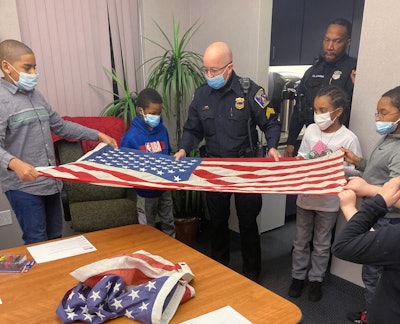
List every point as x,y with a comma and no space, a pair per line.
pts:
108,140
289,150
353,76
391,191
180,154
274,153
24,171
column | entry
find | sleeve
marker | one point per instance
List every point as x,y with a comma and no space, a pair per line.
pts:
356,243
349,169
295,125
265,116
193,132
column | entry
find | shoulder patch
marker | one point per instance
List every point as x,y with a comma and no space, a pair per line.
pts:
261,98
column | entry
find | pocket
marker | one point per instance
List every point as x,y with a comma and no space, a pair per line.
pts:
208,121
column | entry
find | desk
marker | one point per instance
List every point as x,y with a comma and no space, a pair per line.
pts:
33,297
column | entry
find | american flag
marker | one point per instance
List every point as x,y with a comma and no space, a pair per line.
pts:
133,168
140,286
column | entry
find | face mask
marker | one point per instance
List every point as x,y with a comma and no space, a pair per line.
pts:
152,120
26,81
218,81
384,128
324,120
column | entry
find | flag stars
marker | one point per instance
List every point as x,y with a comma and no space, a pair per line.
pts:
134,294
117,287
95,295
71,295
82,297
129,314
88,317
100,315
151,285
117,303
71,315
69,309
143,306
177,179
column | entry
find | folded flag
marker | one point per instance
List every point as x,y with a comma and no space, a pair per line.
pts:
133,168
140,286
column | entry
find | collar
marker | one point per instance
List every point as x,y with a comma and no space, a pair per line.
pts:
12,88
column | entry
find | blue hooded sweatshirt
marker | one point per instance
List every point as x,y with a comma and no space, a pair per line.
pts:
156,140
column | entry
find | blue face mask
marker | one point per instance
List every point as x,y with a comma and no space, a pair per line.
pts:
216,82
384,128
152,120
26,81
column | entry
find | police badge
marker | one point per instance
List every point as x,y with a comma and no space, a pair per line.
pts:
336,75
239,103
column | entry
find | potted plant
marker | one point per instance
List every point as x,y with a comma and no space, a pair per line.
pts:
124,104
189,208
176,73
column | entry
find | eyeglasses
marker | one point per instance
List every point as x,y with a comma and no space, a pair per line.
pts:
213,71
382,116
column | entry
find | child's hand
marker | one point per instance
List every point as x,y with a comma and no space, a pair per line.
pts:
348,200
361,187
350,157
108,140
24,171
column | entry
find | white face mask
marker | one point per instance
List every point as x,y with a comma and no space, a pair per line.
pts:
324,120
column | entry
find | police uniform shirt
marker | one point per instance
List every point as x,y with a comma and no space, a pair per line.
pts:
221,117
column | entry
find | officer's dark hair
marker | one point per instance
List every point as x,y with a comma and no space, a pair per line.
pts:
343,22
394,95
337,97
148,96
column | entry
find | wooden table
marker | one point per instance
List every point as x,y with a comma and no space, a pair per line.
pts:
33,297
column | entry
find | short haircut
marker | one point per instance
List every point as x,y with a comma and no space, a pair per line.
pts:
11,50
343,22
394,95
148,96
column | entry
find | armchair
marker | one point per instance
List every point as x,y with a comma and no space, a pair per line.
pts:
93,207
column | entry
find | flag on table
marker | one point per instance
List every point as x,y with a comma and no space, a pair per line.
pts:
133,168
140,286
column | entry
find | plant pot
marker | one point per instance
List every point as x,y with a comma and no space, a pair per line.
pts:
186,229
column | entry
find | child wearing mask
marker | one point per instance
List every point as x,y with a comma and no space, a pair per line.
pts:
316,215
26,123
383,164
147,133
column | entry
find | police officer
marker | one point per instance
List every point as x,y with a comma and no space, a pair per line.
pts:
334,67
225,112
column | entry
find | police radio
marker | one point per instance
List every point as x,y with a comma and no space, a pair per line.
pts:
245,85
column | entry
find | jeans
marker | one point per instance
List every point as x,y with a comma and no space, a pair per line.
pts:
40,217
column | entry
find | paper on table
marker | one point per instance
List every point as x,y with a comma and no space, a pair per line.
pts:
224,315
61,249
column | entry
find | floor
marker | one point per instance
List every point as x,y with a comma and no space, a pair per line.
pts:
339,296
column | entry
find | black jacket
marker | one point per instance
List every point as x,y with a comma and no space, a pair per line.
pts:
320,74
356,243
223,118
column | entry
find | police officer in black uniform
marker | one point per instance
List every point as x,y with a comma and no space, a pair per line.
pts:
334,67
225,112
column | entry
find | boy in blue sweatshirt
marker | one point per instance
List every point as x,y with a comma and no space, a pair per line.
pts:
147,133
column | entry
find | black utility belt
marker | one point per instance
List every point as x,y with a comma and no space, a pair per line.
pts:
258,151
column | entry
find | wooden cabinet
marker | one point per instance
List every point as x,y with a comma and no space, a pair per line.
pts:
298,27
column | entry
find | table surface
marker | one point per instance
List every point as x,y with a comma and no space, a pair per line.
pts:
34,296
